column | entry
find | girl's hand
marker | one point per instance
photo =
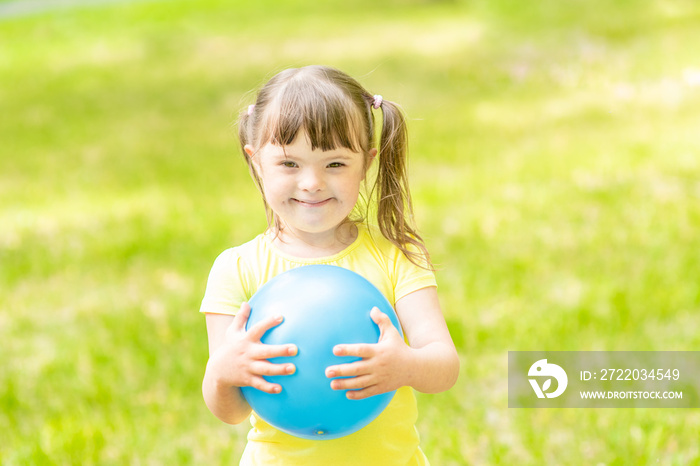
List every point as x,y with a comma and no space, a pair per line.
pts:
241,360
384,366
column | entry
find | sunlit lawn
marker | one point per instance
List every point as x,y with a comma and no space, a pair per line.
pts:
556,175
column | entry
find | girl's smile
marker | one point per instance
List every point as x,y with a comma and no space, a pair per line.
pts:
312,203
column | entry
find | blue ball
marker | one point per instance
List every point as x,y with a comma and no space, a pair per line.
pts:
323,306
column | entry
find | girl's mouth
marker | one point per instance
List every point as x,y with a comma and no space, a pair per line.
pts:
310,203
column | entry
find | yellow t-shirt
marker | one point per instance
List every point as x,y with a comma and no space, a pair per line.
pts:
391,439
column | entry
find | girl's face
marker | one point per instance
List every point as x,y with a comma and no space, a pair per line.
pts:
311,191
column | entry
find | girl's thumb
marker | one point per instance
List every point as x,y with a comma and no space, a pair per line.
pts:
382,321
242,316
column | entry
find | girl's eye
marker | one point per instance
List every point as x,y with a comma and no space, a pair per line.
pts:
288,164
335,164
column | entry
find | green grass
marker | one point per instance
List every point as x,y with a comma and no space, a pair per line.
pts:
555,171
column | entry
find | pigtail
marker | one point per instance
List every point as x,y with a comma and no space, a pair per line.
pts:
245,136
243,123
394,206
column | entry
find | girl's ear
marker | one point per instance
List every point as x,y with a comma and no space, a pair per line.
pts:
249,150
372,155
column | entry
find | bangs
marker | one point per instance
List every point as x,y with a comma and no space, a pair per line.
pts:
328,116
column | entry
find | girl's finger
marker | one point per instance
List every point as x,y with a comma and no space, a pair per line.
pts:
383,322
352,369
268,368
360,350
257,331
265,386
378,316
263,351
241,318
364,393
352,383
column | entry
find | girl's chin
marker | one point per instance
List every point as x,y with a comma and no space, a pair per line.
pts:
313,229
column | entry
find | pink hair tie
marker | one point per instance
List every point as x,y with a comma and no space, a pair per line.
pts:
377,101
250,109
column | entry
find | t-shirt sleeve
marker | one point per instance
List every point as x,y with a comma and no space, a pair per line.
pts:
225,290
410,277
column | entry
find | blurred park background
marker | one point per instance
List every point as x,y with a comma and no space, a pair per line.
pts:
555,164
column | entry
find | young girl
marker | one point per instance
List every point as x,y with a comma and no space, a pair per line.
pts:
309,142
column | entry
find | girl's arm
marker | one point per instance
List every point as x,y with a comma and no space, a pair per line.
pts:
430,364
237,359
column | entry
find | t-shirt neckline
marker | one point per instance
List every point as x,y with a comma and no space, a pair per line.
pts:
361,230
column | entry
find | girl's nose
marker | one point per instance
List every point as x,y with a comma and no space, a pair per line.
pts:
311,181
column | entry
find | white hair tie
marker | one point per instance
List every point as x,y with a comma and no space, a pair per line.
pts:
377,101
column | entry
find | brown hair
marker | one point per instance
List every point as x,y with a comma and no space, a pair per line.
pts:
334,110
